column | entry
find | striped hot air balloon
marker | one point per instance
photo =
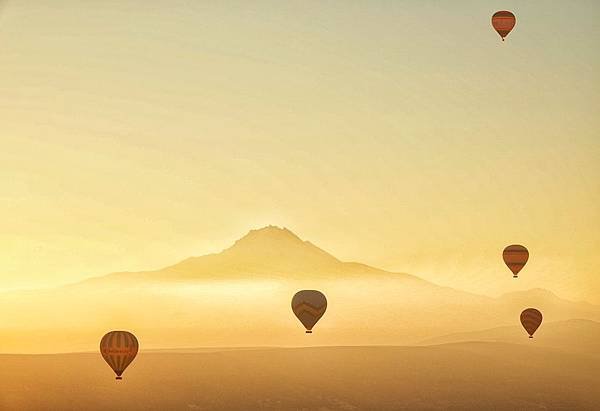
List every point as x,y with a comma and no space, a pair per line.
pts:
515,257
531,320
309,306
119,348
503,22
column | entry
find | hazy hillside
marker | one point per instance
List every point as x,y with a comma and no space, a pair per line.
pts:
470,376
241,297
574,336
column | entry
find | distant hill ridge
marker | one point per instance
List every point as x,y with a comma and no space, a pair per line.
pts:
574,335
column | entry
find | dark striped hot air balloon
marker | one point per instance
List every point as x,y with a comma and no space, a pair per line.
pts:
531,320
309,306
119,348
515,257
503,22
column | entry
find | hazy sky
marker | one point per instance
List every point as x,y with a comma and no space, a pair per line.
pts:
401,134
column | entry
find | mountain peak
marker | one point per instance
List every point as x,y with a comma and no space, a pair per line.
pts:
269,233
271,250
275,242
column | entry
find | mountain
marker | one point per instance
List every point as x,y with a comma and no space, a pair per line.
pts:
241,297
269,252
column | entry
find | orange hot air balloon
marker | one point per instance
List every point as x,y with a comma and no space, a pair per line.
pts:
309,306
119,348
531,320
515,257
503,22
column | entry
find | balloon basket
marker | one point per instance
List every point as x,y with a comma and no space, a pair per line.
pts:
308,332
118,378
515,276
531,336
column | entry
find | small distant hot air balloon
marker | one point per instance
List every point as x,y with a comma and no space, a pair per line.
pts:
515,257
309,306
119,348
531,320
503,22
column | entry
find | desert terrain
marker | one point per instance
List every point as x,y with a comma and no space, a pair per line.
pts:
459,376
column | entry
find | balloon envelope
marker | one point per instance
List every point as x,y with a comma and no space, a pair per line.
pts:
503,22
119,348
515,257
531,320
309,306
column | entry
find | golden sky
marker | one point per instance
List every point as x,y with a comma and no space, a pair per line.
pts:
407,136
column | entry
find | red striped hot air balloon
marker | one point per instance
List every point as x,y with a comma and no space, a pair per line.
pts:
531,320
515,257
309,306
119,348
503,22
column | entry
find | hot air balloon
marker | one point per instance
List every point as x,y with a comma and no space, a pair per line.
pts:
309,306
119,348
503,22
515,257
531,320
